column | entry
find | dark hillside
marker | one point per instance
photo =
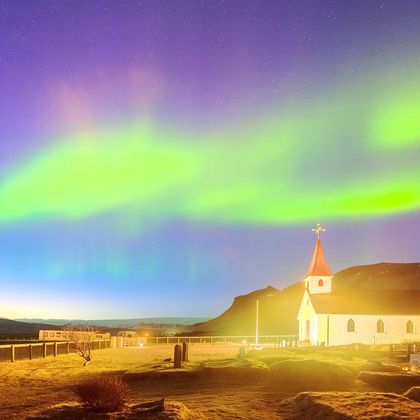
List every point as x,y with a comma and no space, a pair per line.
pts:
278,309
16,329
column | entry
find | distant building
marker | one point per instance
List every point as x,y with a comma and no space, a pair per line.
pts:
355,316
61,335
127,334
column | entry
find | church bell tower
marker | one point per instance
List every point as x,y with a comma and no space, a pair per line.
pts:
318,279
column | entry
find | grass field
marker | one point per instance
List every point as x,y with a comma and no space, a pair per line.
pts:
28,387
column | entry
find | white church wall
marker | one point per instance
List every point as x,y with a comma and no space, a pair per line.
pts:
307,313
366,329
322,336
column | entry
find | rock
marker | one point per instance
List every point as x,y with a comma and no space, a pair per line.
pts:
149,407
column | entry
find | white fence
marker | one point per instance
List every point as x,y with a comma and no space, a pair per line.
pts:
276,340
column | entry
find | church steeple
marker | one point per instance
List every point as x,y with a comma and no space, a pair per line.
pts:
318,277
318,265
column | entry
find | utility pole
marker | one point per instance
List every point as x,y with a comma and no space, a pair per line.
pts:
256,324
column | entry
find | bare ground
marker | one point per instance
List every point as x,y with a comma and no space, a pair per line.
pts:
30,387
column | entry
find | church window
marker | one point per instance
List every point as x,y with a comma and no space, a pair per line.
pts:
410,327
380,326
320,282
350,325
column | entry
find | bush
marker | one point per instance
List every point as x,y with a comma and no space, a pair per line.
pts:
103,393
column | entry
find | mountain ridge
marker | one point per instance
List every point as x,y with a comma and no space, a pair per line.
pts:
117,323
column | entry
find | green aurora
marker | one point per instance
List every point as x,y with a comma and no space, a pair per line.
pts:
283,167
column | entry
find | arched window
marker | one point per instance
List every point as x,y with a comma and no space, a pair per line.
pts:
320,282
380,326
350,325
410,327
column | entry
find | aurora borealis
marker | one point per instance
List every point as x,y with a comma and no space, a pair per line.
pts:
158,158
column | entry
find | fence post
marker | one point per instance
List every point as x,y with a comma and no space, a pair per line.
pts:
185,352
68,347
177,356
409,350
30,351
55,348
44,350
12,353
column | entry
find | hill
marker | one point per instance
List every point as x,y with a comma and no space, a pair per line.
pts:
16,329
118,323
278,309
153,326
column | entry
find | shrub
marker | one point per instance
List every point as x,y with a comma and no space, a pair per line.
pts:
103,393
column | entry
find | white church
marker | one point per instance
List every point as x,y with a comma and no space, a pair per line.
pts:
361,316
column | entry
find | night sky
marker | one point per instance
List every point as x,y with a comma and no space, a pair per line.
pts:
158,158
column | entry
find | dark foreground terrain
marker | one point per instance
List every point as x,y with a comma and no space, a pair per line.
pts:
217,384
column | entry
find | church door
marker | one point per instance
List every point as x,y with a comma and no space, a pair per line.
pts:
308,329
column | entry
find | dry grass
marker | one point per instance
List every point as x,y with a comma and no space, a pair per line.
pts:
349,406
390,381
310,371
28,387
171,410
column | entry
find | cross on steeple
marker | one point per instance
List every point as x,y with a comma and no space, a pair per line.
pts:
318,230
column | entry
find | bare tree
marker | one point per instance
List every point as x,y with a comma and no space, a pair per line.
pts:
82,339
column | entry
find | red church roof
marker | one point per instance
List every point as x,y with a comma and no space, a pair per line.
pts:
318,266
